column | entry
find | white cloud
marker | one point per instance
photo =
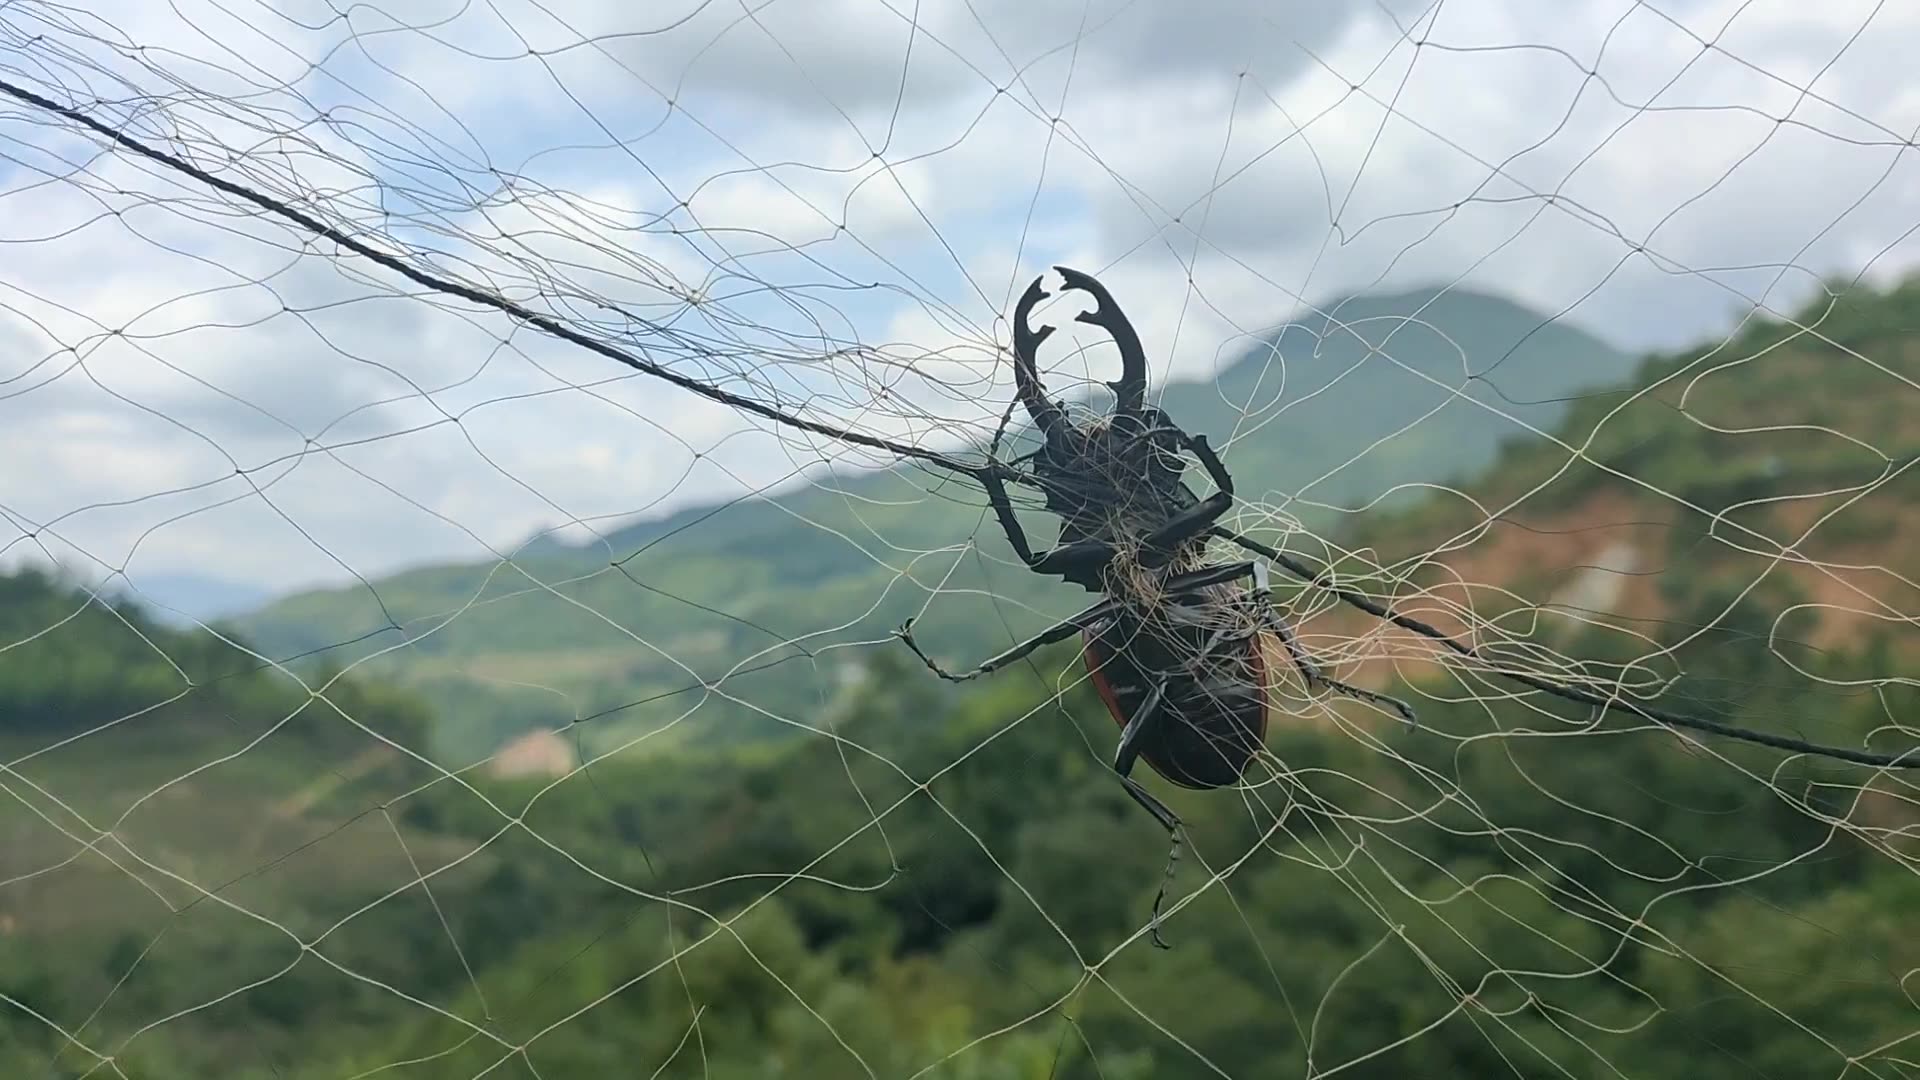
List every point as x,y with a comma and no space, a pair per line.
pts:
553,146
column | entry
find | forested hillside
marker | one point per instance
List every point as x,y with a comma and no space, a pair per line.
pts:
1527,895
923,932
153,778
1772,471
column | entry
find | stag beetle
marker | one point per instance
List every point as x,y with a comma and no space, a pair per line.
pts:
1180,655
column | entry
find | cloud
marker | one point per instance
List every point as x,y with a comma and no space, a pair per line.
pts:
1654,198
858,57
819,201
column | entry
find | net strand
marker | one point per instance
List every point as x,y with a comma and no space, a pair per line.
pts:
1906,759
543,323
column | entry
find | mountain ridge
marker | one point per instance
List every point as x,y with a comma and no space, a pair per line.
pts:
1372,305
1318,414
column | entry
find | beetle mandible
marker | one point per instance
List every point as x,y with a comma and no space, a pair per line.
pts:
1177,651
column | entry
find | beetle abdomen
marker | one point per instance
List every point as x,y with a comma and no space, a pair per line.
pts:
1212,721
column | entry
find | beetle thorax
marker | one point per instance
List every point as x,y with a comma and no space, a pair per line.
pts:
1114,482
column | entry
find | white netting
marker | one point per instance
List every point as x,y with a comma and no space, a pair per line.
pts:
464,466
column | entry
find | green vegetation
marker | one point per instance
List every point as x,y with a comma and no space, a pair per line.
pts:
794,566
935,874
859,914
1794,429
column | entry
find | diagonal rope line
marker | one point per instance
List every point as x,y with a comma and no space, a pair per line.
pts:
1906,759
526,315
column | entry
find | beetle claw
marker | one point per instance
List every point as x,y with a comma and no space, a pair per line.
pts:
1160,897
1026,374
1130,393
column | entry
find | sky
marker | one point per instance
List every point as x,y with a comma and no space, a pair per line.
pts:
832,205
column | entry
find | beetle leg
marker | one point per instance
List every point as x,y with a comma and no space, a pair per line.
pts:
1199,517
1210,575
1309,670
1210,461
1048,636
1065,559
1123,760
1002,509
1183,526
1312,673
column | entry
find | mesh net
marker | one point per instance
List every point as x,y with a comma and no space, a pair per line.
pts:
466,467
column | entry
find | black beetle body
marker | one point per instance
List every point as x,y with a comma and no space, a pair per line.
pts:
1179,654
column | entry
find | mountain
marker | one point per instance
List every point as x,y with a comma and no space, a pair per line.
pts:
1748,496
1513,856
793,579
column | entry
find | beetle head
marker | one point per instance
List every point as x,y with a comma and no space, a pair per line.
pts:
1129,393
1111,461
